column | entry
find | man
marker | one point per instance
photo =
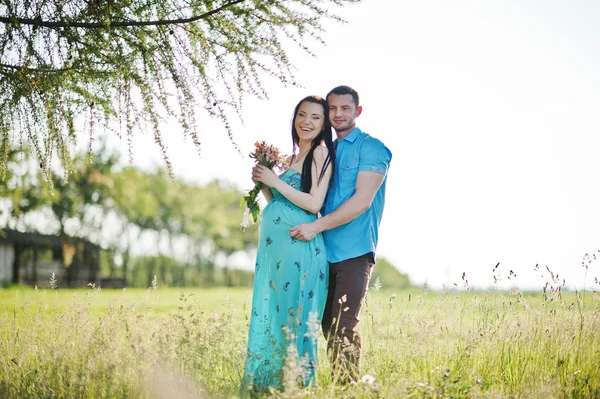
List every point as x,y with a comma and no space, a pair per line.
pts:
350,220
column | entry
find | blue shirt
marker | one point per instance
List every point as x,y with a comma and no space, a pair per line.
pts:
357,152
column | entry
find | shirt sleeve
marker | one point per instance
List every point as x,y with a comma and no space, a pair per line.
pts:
374,157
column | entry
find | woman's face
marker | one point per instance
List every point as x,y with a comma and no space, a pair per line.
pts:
309,121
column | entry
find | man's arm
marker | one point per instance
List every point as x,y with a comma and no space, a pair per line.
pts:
367,184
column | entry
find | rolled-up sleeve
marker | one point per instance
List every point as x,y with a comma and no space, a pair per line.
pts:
374,157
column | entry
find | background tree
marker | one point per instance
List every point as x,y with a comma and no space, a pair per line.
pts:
223,227
389,276
85,198
129,64
203,219
20,189
128,211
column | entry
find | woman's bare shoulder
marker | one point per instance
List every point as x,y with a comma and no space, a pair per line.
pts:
321,153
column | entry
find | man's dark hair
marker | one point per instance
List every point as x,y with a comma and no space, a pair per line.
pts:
341,90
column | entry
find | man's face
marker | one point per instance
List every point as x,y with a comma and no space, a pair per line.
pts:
343,112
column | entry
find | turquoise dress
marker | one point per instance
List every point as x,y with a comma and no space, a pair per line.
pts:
290,289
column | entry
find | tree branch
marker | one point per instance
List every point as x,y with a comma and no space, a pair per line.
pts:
97,25
39,70
4,68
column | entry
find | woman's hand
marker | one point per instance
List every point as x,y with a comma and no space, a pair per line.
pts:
261,173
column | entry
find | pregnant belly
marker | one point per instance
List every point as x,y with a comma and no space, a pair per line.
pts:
279,216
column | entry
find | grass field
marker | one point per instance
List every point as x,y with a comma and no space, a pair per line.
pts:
165,343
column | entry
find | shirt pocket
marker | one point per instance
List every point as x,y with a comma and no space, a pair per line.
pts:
348,173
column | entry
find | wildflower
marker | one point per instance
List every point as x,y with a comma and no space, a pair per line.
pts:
313,326
367,379
377,285
53,282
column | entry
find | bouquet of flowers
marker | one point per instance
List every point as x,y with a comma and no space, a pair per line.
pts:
269,156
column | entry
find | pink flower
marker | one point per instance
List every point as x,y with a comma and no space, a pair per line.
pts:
269,156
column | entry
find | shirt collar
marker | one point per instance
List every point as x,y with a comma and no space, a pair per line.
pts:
352,135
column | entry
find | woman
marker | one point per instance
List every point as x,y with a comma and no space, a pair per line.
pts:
291,276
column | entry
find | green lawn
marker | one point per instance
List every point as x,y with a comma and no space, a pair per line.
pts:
134,343
168,299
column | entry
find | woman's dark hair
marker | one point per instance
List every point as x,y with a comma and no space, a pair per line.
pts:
324,136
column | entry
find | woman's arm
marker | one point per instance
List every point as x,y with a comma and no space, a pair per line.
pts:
267,193
312,201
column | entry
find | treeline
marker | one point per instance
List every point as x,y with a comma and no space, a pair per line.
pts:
147,222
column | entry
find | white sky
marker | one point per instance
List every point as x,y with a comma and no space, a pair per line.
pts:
491,112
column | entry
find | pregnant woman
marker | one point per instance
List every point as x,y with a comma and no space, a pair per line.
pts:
291,276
